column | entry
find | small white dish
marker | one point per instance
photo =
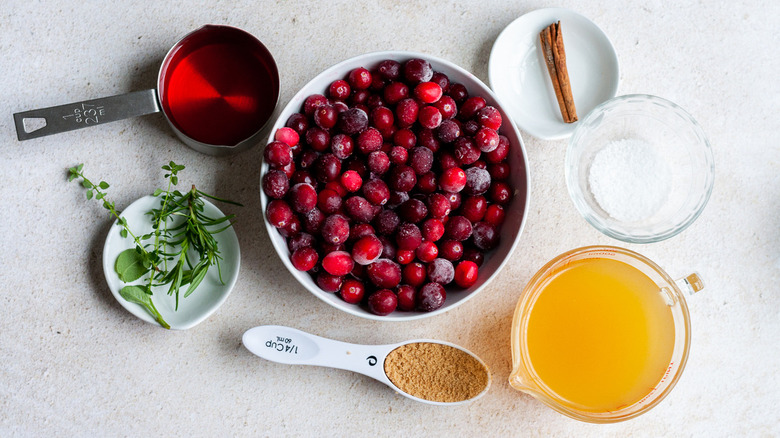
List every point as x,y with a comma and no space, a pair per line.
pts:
518,74
202,302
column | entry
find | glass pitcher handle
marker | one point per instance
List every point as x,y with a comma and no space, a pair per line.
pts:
691,283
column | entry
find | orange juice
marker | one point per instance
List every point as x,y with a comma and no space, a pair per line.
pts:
600,335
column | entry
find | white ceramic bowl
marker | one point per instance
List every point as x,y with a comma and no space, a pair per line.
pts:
519,180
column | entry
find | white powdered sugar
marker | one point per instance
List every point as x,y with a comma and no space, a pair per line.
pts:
629,180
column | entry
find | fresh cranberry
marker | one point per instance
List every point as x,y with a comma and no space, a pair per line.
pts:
382,117
318,138
313,102
417,70
325,116
494,215
382,302
399,155
359,209
298,122
454,199
498,171
275,184
466,274
352,121
278,154
405,138
292,228
414,274
432,230
447,107
389,249
413,211
395,92
466,151
339,106
352,291
427,138
335,229
389,69
402,178
407,296
441,271
369,140
427,182
458,228
498,154
337,263
458,92
429,117
339,89
485,236
408,236
336,186
473,208
470,127
474,255
431,297
452,180
448,131
438,205
287,136
428,92
327,168
278,213
406,112
404,256
378,162
313,220
490,117
446,161
359,99
376,191
329,283
359,78
289,169
471,107
477,181
367,250
441,80
500,193
351,180
299,240
342,146
303,198
427,252
451,250
397,198
386,222
384,273
486,139
304,259
302,176
359,231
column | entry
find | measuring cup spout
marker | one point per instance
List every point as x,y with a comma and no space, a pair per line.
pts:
521,382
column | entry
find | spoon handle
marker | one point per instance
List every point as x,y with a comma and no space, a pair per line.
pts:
294,347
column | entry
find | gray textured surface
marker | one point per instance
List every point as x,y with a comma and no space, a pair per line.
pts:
74,363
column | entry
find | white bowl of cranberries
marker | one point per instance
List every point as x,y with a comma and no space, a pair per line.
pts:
394,186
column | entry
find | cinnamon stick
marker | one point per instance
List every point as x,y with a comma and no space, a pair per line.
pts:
554,54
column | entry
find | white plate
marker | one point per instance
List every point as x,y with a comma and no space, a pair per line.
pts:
204,301
518,74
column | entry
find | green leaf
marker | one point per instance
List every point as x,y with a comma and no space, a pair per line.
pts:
174,180
123,232
89,194
103,185
72,175
157,192
86,184
143,295
79,167
99,195
131,265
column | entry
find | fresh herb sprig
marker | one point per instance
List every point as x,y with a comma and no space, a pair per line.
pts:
182,235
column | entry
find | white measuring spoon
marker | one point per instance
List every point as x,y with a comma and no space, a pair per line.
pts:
293,347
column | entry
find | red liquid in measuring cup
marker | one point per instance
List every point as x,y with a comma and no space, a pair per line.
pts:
219,86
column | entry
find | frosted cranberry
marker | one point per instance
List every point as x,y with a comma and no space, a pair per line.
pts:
414,274
441,271
298,122
470,107
490,117
397,198
485,236
428,92
413,210
339,89
302,176
473,208
500,193
498,154
278,213
480,164
453,180
408,236
427,252
312,221
378,162
278,154
352,291
351,180
388,133
431,297
386,222
494,215
498,171
474,255
300,240
448,131
447,107
369,141
336,186
427,138
329,283
458,92
376,192
447,160
337,263
427,183
335,229
287,136
359,231
304,259
342,146
352,121
303,198
470,127
384,273
404,256
429,117
407,296
292,228
406,112
477,181
466,274
421,160
367,250
359,209
327,168
389,250
313,102
389,69
455,200
399,155
325,116
438,205
382,117
374,101
275,184
417,70
359,78
339,106
466,151
382,302
441,80
451,250
486,139
432,230
395,92
458,228
402,178
405,138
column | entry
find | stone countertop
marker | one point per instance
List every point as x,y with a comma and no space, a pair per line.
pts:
75,363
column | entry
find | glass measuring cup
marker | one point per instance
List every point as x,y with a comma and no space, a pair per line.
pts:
218,87
540,383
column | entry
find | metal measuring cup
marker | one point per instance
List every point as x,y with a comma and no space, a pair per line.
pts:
53,120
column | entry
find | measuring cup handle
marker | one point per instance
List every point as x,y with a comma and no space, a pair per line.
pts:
53,120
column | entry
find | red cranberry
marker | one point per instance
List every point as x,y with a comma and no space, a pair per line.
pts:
447,107
451,250
389,249
405,138
414,274
278,213
452,180
438,205
328,201
413,211
325,116
352,121
408,236
359,209
470,127
466,274
299,240
359,231
397,198
278,154
367,250
339,89
335,229
389,69
378,162
470,107
458,228
402,178
313,220
292,228
485,236
275,184
395,92
474,255
466,151
358,99
407,296
318,138
427,139
384,273
473,208
429,117
304,259
399,155
404,256
287,136
458,92
406,112
303,198
376,191
386,222
494,215
313,102
351,180
446,161
498,171
417,70
442,80
428,92
369,140
382,302
327,168
477,181
500,193
432,230
427,182
486,139
448,131
498,154
427,252
289,169
431,297
337,263
441,271
298,122
421,160
342,146
489,117
382,118
454,199
352,291
302,176
329,283
359,78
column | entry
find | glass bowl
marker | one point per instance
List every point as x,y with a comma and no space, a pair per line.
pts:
639,168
